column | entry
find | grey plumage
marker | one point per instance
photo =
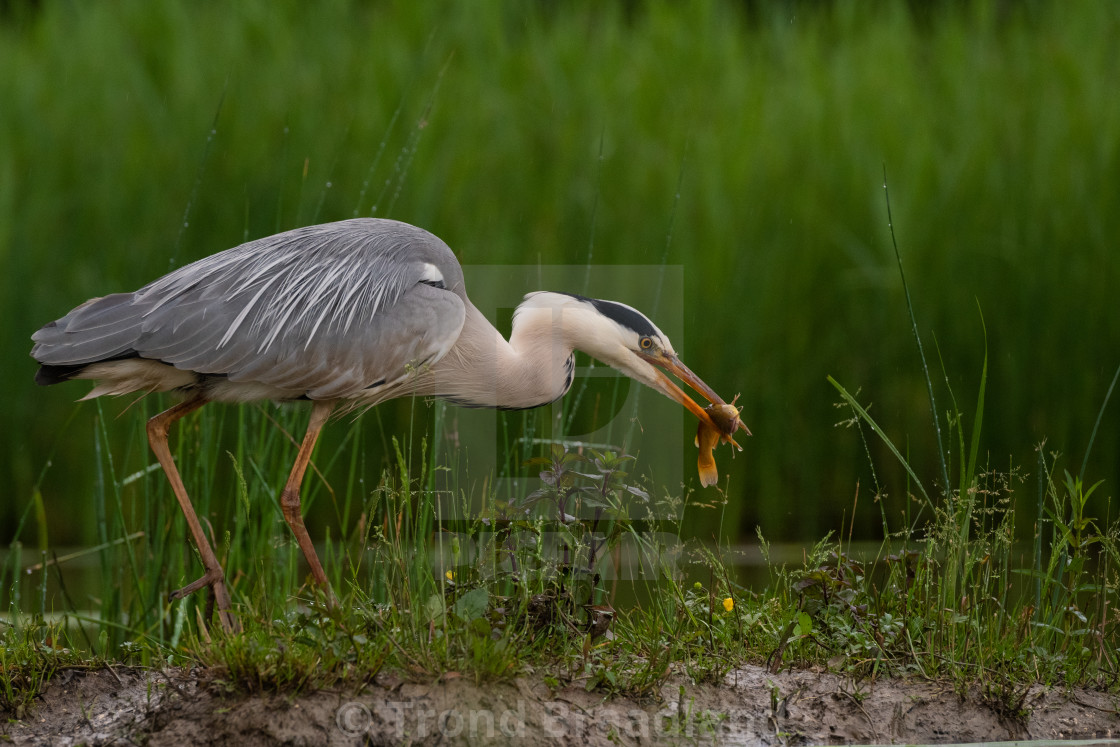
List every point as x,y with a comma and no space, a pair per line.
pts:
297,312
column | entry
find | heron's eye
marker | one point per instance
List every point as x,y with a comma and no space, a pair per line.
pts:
646,343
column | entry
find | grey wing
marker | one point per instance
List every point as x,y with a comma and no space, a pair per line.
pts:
327,310
417,329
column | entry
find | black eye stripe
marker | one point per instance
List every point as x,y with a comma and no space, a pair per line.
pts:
624,315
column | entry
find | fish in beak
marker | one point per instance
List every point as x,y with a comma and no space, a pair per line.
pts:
668,363
726,420
719,421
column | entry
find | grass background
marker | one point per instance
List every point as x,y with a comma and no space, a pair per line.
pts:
755,138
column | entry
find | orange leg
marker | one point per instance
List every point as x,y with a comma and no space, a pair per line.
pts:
289,499
158,428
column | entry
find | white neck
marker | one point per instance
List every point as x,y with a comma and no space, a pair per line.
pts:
534,367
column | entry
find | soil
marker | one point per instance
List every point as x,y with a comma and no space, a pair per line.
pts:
124,706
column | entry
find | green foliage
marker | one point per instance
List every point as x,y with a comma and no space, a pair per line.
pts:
601,493
32,652
949,590
893,616
745,147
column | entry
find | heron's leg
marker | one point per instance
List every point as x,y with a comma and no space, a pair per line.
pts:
289,499
158,428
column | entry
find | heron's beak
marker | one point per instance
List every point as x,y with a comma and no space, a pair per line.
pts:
664,362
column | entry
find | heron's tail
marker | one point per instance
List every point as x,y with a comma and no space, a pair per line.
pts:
101,329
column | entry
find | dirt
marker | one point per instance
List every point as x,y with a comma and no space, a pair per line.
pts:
125,706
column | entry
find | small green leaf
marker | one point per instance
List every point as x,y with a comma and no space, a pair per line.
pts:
472,605
435,606
480,626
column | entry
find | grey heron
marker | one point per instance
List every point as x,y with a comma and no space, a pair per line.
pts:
345,314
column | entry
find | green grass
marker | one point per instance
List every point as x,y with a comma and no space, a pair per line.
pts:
946,599
439,581
955,570
747,150
431,581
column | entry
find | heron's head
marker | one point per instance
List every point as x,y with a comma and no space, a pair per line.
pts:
628,341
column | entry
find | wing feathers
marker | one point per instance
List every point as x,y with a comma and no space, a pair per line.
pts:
327,309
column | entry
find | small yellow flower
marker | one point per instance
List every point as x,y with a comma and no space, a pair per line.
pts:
450,575
728,604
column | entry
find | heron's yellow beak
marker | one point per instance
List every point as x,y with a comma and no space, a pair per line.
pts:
665,362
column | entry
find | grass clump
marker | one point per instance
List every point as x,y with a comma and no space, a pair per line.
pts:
430,588
430,584
30,655
953,596
1006,624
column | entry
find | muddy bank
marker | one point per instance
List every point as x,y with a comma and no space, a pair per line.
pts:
130,706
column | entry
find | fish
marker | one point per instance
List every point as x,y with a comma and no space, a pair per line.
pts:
722,423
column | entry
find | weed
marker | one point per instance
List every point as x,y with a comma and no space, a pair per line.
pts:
31,653
946,603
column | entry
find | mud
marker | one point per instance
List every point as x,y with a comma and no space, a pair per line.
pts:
125,706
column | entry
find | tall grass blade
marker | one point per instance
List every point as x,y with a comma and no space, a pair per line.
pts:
866,417
1096,425
974,448
185,223
917,339
1037,565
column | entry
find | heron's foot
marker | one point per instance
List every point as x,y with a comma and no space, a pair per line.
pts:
230,623
211,578
219,597
327,596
